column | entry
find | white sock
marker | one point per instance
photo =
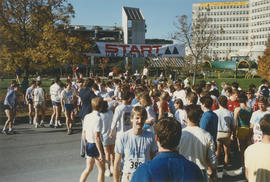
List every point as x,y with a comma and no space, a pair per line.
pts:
51,122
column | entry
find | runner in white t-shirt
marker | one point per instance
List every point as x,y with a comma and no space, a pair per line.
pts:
133,147
256,118
39,104
92,129
68,105
55,92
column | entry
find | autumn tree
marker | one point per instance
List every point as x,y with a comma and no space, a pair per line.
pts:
196,36
30,35
264,63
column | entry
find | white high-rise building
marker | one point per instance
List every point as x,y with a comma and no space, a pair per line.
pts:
245,28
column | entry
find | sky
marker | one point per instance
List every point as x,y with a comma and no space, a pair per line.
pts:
159,14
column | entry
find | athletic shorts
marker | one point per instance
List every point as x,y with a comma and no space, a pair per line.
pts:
108,141
57,104
30,101
69,107
224,138
39,105
7,107
91,150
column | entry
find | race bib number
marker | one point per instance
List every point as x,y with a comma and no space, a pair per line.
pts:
132,164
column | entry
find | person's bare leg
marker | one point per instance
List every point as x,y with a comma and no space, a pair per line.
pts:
89,167
101,170
36,117
111,156
107,157
226,156
53,116
9,118
219,145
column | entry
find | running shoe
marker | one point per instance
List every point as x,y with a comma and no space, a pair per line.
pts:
108,173
42,124
4,132
59,124
36,125
69,132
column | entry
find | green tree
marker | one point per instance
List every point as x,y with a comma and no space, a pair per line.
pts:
30,35
264,62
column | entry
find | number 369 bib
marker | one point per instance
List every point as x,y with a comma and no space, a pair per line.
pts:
131,165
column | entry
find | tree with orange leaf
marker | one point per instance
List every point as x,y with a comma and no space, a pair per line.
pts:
264,63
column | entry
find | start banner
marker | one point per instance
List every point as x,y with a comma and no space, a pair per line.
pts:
139,50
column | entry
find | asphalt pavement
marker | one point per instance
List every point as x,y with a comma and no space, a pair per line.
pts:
50,155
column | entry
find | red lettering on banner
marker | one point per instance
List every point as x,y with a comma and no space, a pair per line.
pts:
111,48
157,47
124,48
134,48
146,49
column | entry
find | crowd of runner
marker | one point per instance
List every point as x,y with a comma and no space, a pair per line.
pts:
129,120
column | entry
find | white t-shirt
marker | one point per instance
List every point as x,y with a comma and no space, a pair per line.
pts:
255,120
145,72
225,119
135,149
39,95
67,96
181,117
197,145
55,92
121,118
106,119
92,124
257,161
186,82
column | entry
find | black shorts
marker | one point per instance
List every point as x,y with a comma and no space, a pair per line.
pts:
30,101
57,104
7,107
91,150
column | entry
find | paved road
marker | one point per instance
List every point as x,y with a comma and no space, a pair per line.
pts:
42,155
46,155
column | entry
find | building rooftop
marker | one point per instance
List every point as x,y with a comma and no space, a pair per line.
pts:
134,14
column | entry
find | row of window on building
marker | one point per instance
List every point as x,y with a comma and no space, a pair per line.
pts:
263,29
257,10
242,12
265,22
220,44
229,19
227,32
224,7
261,3
230,38
260,16
236,25
261,43
263,36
